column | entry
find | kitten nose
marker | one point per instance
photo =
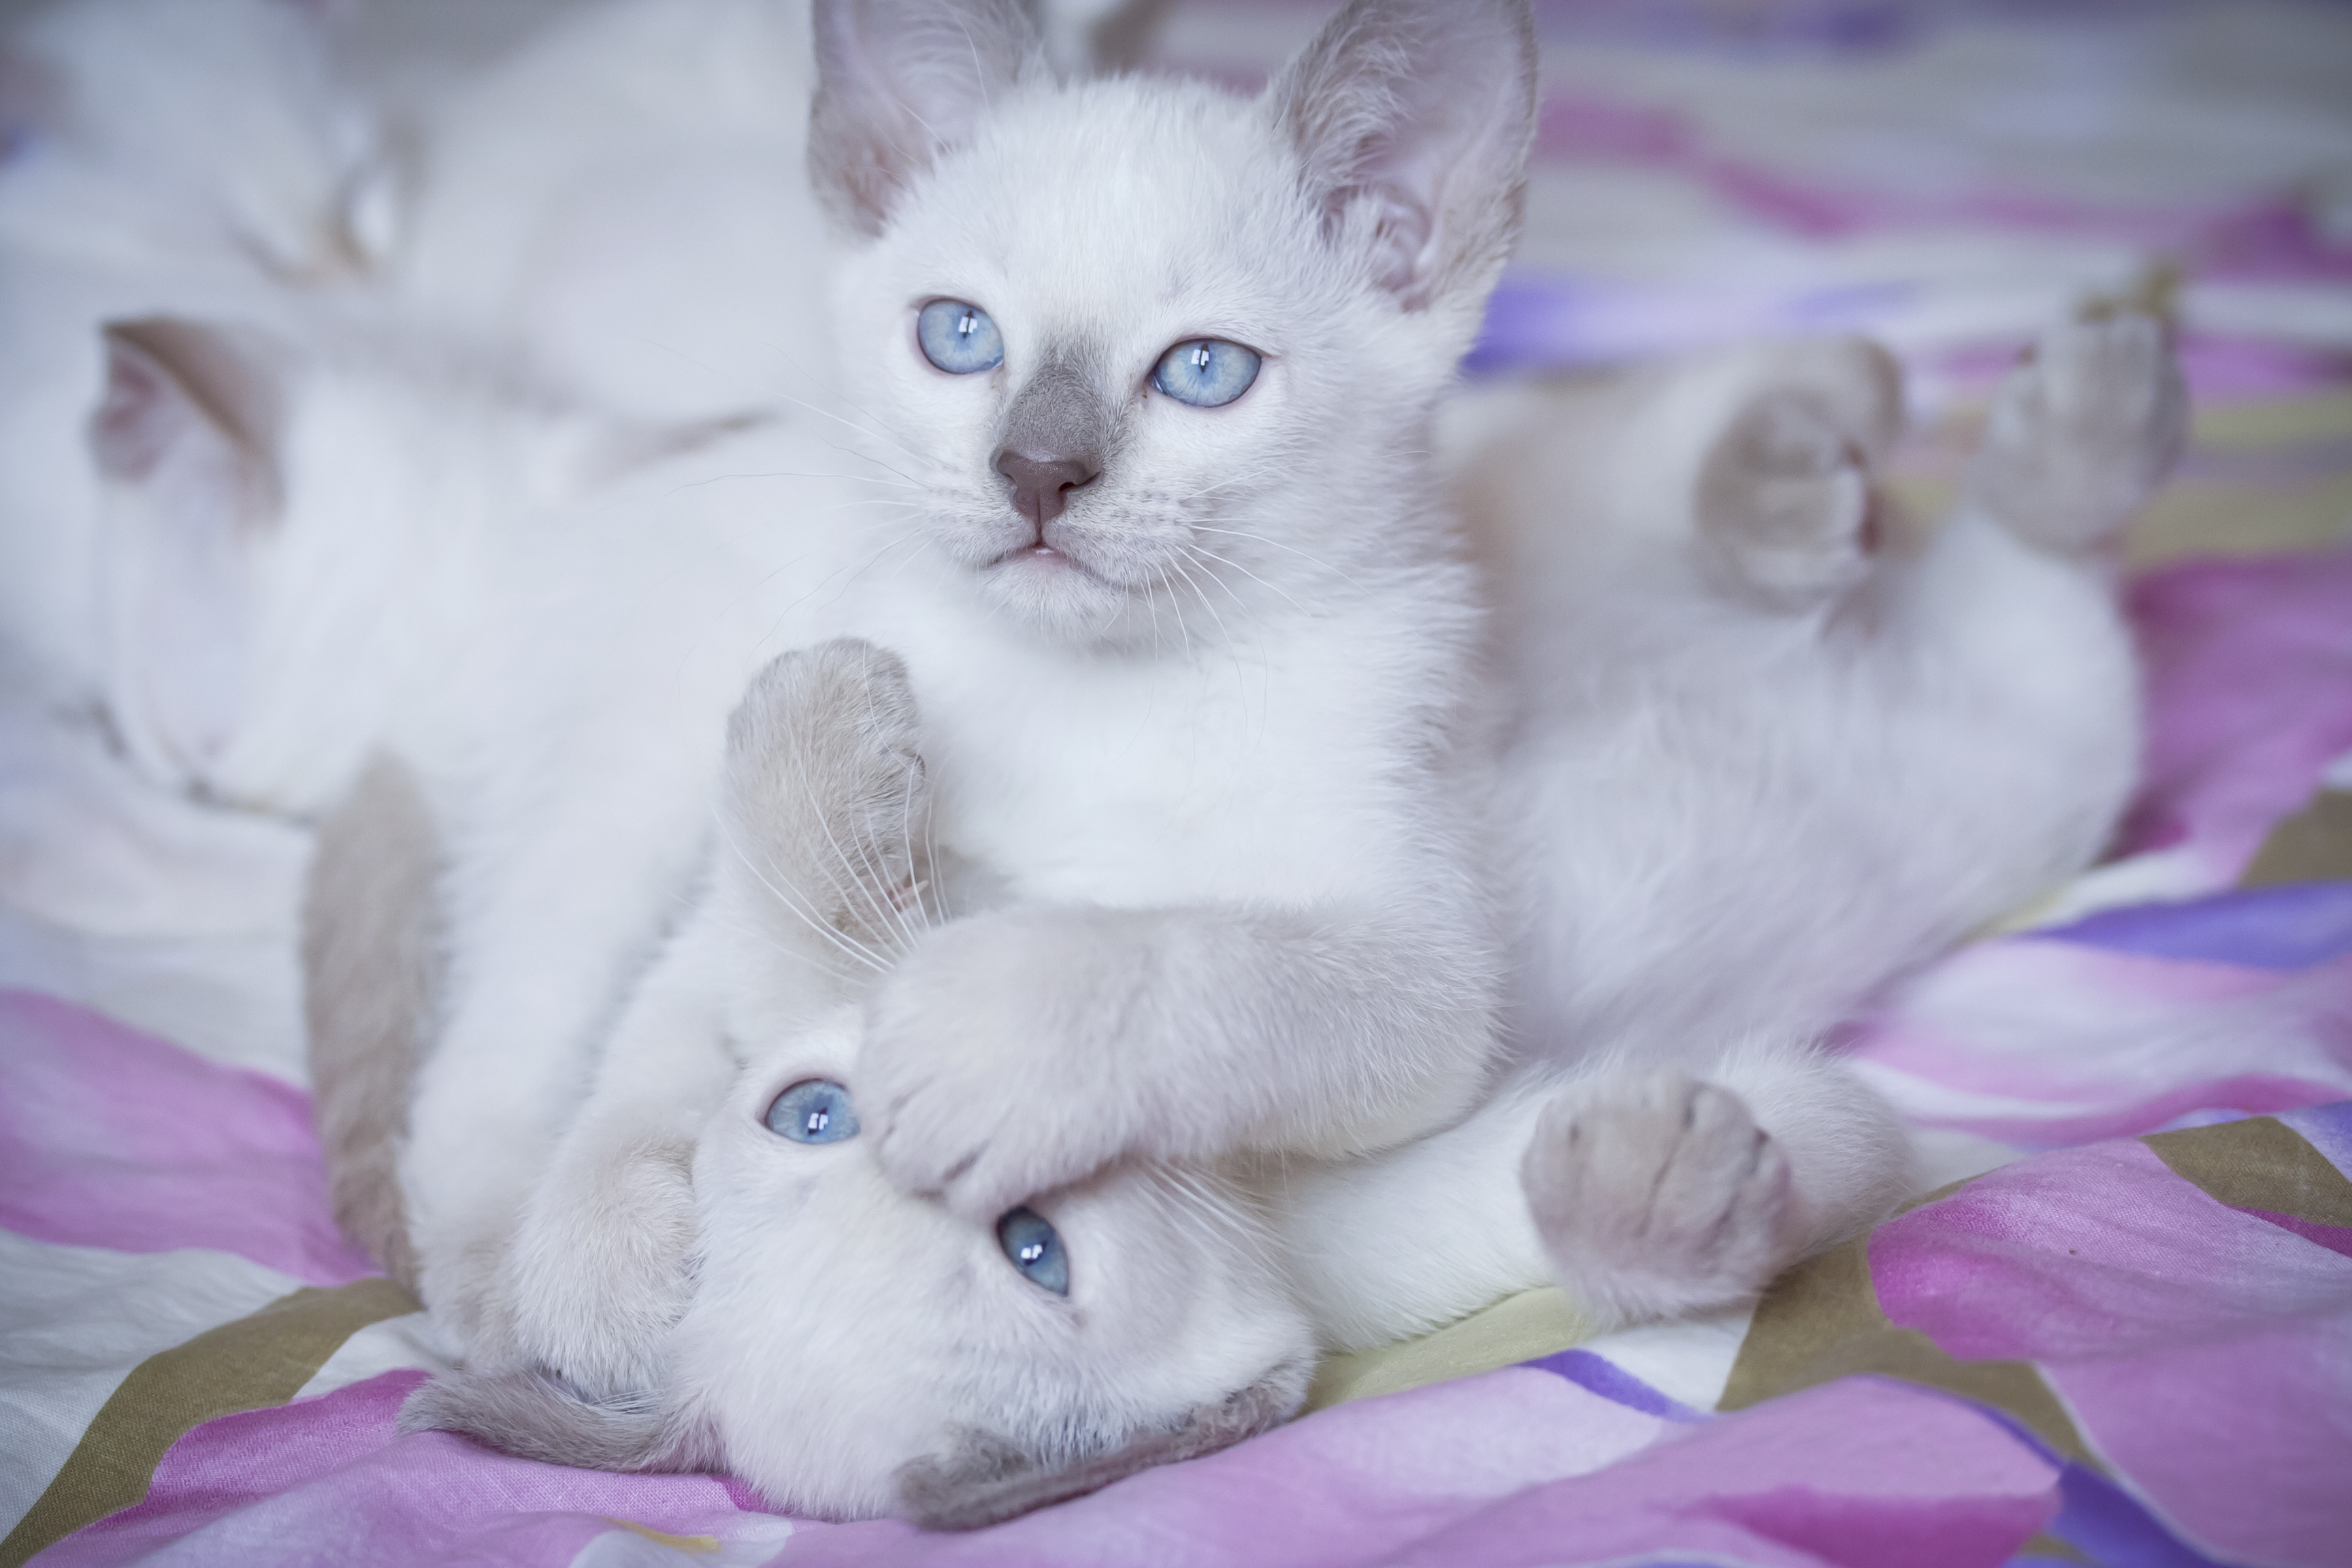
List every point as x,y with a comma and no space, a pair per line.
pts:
1039,483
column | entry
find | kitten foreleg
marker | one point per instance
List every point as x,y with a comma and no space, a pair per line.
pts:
1015,1052
813,883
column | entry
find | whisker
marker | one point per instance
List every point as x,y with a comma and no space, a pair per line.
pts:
1260,538
1212,555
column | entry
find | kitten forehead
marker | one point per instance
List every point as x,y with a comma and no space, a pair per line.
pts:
1110,201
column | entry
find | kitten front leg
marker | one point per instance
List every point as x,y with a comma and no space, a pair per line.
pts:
821,810
1013,1053
1661,1194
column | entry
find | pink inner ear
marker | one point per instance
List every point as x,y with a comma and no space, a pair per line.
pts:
177,559
1425,108
135,422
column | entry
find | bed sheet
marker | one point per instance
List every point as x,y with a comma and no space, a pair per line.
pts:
2121,1334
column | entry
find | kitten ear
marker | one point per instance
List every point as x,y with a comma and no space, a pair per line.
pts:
989,1479
186,434
533,1416
1413,119
899,81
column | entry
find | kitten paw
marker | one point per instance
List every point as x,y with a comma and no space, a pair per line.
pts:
1659,1197
827,796
2082,433
989,1072
1787,509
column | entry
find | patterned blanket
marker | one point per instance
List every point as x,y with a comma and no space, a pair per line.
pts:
2121,1335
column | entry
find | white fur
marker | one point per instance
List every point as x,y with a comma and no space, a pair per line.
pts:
161,155
1207,751
1194,878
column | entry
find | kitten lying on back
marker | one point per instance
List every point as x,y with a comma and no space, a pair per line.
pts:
820,1289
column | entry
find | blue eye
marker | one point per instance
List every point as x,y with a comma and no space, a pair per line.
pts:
1207,372
815,1112
958,338
1036,1250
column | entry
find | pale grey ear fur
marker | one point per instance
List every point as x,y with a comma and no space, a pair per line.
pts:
371,977
1413,120
990,1479
899,81
533,1416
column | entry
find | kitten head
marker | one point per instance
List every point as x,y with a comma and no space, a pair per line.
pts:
853,1351
859,1350
297,516
1147,348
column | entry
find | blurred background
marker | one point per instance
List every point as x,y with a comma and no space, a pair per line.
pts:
1946,175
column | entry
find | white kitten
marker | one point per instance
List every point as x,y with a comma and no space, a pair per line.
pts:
1193,696
1774,748
1197,712
154,154
1642,1192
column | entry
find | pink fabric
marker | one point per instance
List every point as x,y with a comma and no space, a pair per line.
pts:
332,1480
2019,1265
2250,671
1861,1471
2205,1351
112,1138
2051,1043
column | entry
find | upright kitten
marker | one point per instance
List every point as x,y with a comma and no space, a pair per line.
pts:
1142,500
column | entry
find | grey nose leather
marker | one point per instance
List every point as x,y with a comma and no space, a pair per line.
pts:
1040,484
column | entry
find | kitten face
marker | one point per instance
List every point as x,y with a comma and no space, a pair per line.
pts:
1099,228
842,1330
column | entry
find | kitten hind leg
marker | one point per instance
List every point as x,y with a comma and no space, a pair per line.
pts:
1662,1193
1784,503
2081,433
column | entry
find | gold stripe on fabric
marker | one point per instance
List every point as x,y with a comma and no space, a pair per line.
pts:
1526,1327
1821,1321
252,1362
2314,845
2260,1162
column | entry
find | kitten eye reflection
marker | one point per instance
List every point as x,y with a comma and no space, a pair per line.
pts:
958,338
1036,1250
1207,372
814,1111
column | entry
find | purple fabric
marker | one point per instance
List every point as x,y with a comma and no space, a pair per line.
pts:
332,1480
2326,1128
1610,1381
2154,1311
1861,1471
112,1138
2250,671
1837,1475
2290,927
2038,1044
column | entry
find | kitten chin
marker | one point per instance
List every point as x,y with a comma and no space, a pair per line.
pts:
1057,593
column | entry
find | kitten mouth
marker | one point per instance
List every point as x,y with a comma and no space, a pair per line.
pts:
1039,556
